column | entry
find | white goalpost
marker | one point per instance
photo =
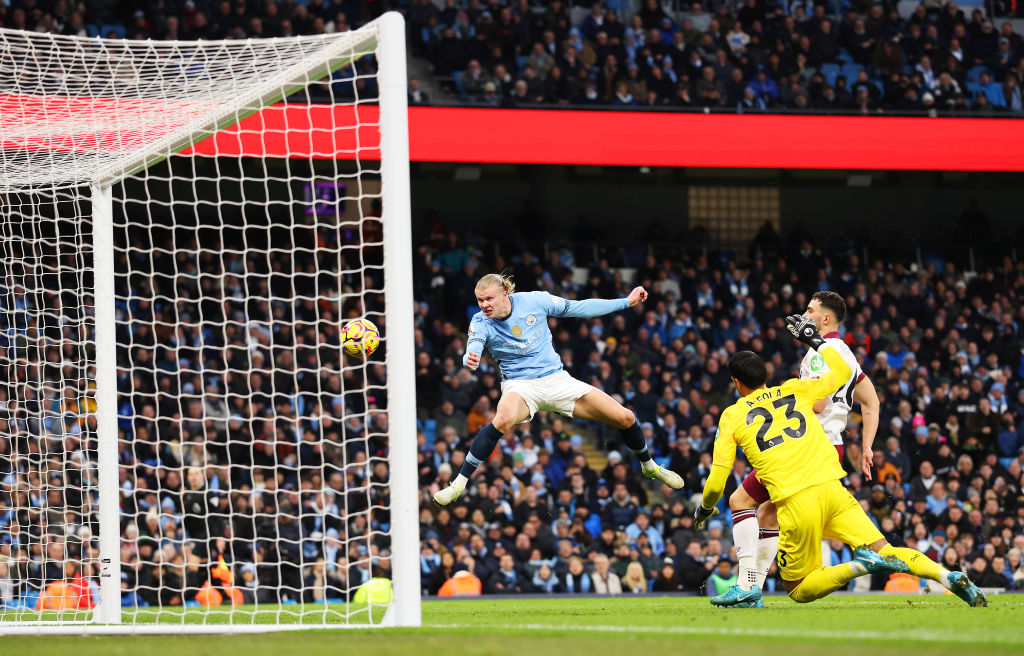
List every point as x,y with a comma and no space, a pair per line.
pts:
185,228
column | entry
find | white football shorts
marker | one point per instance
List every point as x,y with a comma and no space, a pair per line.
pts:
557,392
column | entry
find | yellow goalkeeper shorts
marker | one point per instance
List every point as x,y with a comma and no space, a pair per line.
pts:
825,510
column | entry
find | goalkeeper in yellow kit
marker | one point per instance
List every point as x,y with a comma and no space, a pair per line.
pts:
782,439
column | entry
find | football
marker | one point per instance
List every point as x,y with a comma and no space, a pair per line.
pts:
360,338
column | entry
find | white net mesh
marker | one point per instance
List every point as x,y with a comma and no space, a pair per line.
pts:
253,456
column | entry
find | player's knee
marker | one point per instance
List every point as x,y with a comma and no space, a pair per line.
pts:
799,595
503,423
740,500
625,419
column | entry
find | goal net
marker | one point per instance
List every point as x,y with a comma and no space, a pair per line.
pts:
185,228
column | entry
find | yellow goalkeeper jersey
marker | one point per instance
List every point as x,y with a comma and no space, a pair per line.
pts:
780,435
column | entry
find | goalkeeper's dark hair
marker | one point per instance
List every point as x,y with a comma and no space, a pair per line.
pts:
832,302
748,368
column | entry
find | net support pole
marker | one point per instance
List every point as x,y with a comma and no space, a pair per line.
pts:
109,609
398,308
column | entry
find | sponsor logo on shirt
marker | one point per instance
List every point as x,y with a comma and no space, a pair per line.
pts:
517,331
817,363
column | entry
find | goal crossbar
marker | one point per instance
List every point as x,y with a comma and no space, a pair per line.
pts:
106,113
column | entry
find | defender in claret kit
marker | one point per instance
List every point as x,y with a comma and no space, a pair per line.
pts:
755,525
783,439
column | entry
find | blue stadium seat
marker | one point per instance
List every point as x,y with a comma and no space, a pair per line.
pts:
117,28
932,257
92,30
430,430
520,62
830,71
974,73
994,91
457,76
851,70
663,461
845,55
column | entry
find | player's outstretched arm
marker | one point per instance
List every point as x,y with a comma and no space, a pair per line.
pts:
865,394
596,307
721,465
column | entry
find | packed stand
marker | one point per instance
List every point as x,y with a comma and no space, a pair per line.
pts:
942,349
820,57
252,454
761,57
263,476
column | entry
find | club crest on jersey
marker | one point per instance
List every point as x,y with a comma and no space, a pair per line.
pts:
530,320
817,363
517,331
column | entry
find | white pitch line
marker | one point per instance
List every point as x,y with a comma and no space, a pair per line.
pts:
922,635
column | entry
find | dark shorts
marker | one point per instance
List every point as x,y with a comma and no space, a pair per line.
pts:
757,490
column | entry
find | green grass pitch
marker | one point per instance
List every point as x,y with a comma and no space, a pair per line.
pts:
836,626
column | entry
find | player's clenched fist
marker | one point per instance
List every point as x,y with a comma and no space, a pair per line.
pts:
638,295
473,361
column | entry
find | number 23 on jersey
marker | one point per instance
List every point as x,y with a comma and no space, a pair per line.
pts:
786,405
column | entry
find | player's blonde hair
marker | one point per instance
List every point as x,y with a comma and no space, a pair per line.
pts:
499,279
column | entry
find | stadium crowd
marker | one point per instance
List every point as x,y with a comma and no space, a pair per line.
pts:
748,57
252,458
942,348
753,56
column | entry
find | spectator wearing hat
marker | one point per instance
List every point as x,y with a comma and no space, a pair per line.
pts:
667,579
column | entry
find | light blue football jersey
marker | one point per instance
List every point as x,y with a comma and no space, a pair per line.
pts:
521,342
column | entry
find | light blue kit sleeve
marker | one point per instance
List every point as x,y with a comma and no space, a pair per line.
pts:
591,307
477,339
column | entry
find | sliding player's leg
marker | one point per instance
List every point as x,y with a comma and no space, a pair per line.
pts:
595,405
820,511
921,565
745,530
767,540
512,409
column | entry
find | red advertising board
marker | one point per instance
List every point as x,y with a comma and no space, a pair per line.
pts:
537,136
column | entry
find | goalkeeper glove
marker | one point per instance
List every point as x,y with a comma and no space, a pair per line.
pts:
702,514
804,330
